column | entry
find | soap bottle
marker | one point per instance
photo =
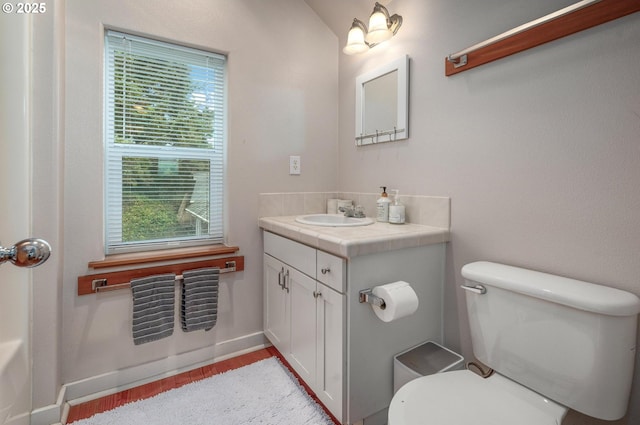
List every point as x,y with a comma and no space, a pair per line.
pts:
396,209
383,206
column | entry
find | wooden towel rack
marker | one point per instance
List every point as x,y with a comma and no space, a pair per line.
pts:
99,282
548,28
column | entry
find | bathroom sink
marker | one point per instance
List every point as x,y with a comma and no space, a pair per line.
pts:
333,220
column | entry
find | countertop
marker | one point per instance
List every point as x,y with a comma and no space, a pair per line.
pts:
354,241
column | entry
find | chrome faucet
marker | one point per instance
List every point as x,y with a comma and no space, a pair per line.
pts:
351,211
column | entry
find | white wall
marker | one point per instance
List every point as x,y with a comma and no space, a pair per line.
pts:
539,152
282,101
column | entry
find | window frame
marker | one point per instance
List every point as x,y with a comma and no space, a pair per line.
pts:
115,152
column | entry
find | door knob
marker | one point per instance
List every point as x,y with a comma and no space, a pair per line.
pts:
26,253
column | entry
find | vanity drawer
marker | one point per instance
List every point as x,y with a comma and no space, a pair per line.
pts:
292,253
331,271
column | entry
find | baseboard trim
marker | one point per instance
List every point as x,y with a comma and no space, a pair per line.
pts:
119,380
52,414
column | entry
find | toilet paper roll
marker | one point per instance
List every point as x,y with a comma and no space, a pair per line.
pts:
400,301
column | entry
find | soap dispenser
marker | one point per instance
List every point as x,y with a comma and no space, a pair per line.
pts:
383,206
396,209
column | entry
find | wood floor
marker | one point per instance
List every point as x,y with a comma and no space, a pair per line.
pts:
90,408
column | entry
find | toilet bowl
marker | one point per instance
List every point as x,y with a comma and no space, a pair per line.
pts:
551,341
464,398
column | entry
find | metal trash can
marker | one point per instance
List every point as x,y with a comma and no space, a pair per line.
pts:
424,359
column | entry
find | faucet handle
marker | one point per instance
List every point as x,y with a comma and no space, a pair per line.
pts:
348,211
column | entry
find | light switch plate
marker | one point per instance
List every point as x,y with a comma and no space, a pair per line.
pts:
294,165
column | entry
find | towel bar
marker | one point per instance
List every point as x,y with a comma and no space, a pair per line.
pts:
112,281
101,285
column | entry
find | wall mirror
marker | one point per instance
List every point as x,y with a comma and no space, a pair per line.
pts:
382,103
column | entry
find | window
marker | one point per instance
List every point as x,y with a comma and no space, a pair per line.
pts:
164,140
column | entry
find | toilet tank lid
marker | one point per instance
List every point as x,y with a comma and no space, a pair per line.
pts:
574,293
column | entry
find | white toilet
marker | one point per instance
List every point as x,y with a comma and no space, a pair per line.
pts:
554,343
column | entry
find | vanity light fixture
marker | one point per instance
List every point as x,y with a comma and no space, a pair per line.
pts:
355,39
381,28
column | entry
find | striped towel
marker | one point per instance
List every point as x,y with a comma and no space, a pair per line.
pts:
153,307
199,299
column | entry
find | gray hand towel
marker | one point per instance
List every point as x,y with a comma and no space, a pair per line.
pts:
199,308
153,307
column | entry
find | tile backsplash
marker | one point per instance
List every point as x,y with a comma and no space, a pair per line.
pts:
425,210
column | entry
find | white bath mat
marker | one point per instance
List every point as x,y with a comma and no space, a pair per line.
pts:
263,393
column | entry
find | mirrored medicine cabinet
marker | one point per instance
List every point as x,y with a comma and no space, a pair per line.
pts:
382,103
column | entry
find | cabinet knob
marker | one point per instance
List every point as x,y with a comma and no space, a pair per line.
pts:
325,270
317,294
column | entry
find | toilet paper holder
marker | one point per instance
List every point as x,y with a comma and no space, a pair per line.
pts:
366,296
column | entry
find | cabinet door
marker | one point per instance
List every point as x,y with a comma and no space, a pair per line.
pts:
302,355
276,304
330,313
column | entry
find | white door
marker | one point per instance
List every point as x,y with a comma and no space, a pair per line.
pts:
15,217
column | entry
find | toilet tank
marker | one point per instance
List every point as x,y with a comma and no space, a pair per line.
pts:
572,341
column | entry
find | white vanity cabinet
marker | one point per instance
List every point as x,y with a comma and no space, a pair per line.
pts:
304,317
314,317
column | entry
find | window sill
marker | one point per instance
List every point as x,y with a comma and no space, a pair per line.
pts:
128,259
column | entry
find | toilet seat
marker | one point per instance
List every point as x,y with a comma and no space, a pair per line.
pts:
464,398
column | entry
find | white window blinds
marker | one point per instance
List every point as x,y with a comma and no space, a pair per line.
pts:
164,138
